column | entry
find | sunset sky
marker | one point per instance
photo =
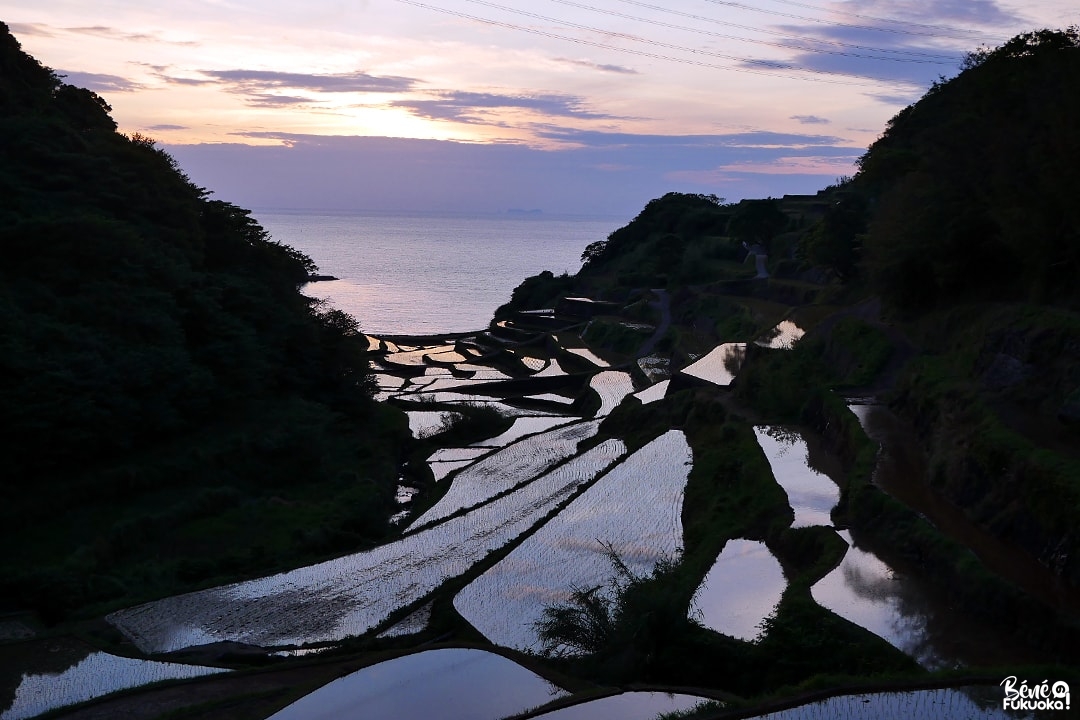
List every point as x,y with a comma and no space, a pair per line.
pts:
582,106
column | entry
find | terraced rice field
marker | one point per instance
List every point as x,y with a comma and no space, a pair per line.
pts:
653,392
414,622
416,357
522,426
741,590
720,365
654,367
425,423
639,705
867,592
551,397
590,356
782,337
967,703
508,467
811,494
553,369
612,386
350,595
451,454
449,684
635,509
95,675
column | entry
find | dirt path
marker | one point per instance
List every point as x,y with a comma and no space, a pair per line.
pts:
663,304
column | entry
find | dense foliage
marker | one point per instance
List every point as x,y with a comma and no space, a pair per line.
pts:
975,185
158,367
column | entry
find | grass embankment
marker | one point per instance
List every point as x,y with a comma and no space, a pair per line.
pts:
795,386
730,494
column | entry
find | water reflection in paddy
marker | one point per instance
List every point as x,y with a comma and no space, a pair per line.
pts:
627,706
634,509
901,472
782,337
522,426
867,592
719,366
653,392
508,467
741,589
811,494
449,684
349,595
88,675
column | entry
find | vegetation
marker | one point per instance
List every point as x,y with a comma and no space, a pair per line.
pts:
175,411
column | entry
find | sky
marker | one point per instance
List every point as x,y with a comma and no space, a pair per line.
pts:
584,107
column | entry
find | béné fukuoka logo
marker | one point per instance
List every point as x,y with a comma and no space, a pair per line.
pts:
1038,696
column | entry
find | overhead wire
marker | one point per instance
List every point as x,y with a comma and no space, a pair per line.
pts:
777,33
925,58
837,11
776,69
779,65
873,28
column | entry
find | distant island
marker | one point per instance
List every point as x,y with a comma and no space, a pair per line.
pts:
520,211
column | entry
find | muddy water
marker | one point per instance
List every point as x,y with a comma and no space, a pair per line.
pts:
901,472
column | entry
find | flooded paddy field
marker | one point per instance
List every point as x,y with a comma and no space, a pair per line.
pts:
811,494
350,595
388,690
58,673
720,365
510,466
634,510
741,590
500,496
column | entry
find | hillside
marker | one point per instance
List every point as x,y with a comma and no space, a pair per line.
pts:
175,411
940,278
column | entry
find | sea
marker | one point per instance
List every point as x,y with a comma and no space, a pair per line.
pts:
426,274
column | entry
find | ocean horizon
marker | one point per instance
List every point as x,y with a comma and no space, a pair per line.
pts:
419,273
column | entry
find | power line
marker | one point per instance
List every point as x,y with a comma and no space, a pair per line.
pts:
643,53
656,43
927,57
873,28
937,28
766,31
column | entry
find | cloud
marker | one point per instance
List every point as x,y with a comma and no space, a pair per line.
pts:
901,99
932,13
262,81
30,29
612,174
830,165
98,82
751,139
270,100
166,126
811,119
114,34
461,106
619,69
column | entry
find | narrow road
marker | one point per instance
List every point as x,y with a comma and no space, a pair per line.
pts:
663,303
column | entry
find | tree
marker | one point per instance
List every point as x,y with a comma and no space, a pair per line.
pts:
835,241
757,222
